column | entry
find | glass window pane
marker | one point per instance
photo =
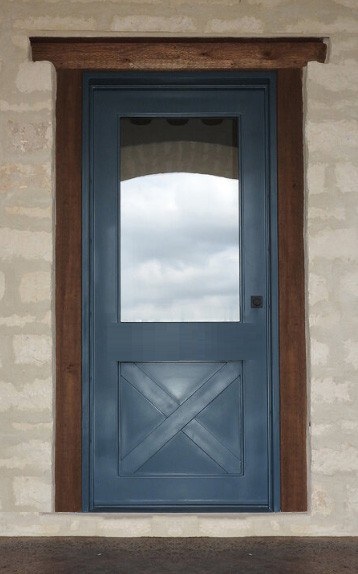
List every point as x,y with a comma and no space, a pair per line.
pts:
179,220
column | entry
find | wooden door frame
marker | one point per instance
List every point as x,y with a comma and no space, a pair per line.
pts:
71,56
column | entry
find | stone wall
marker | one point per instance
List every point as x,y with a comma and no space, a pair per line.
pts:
27,95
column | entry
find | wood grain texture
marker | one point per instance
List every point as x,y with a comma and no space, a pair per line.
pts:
68,457
178,54
293,390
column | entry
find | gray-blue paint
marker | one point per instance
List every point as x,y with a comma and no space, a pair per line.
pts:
107,96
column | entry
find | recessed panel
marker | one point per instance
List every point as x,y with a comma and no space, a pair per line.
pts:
180,419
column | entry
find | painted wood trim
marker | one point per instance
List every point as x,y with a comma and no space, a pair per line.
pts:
178,54
68,262
292,342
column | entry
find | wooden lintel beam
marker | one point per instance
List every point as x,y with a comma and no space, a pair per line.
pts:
153,54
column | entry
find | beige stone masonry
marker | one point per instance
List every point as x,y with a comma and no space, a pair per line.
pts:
27,383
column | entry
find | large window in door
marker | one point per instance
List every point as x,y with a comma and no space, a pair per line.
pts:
179,231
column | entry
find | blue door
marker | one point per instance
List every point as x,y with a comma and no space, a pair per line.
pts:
180,332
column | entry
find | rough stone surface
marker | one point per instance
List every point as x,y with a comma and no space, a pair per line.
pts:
172,24
31,491
34,76
25,244
32,349
35,287
32,396
27,98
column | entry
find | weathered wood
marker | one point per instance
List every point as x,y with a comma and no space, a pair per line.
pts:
178,54
68,458
292,292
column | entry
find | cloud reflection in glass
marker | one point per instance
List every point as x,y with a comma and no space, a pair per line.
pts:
180,248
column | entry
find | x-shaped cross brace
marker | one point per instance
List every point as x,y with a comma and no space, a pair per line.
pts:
180,417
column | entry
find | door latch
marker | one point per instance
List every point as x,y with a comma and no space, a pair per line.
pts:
257,301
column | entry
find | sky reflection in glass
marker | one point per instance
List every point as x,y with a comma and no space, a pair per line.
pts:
179,248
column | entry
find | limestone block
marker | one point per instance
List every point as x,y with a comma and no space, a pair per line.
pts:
325,316
226,526
16,320
327,213
352,497
347,177
317,288
20,40
328,390
9,106
344,46
319,353
335,77
33,396
244,25
33,454
350,426
325,26
33,212
21,178
181,526
329,461
45,428
316,173
35,286
34,76
147,23
32,491
32,349
125,527
28,136
351,349
335,138
47,319
334,244
55,23
347,3
266,3
83,525
322,502
28,244
320,430
348,285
